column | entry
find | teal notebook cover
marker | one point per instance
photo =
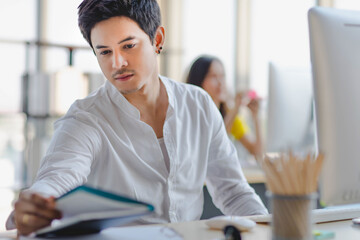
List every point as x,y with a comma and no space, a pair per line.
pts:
88,210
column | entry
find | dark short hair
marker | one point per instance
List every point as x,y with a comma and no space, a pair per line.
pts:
146,13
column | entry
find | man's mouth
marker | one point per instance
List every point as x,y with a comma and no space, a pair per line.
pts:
123,77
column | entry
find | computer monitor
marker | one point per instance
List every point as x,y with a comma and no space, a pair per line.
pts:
290,122
335,57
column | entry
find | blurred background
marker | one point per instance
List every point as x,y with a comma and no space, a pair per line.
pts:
45,64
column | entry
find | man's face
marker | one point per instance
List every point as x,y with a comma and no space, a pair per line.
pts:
125,53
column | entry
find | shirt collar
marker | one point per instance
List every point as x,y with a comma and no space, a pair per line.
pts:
169,90
120,101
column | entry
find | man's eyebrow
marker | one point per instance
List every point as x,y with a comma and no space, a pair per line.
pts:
124,40
100,46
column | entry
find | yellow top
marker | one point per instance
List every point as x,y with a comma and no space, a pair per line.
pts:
239,128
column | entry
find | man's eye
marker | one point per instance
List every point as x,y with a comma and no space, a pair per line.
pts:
105,52
127,46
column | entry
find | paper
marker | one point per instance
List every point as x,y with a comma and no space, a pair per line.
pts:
8,235
128,233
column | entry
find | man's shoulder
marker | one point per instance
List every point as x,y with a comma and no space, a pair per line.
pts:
83,108
92,99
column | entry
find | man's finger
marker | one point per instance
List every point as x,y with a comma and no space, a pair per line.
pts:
38,200
31,220
41,211
28,223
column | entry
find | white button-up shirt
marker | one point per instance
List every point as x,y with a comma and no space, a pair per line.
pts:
101,141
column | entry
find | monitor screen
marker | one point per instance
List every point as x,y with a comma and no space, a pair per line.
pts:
335,57
290,122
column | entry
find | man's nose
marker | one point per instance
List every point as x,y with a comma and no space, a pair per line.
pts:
119,61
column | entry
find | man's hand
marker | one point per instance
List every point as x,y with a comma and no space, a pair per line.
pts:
33,211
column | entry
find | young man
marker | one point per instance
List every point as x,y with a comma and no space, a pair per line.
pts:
141,134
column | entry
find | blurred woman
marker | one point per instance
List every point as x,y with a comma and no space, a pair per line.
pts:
208,73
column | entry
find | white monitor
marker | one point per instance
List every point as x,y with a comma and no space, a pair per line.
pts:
335,57
290,122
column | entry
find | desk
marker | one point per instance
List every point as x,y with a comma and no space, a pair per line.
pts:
344,230
254,174
198,230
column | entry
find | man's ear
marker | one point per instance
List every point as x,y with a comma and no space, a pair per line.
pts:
159,39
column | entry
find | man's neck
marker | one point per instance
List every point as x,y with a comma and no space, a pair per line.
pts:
152,102
145,97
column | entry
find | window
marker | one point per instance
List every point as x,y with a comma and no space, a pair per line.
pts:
279,33
209,28
65,30
13,52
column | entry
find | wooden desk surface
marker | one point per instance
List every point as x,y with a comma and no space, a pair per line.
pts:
254,174
198,230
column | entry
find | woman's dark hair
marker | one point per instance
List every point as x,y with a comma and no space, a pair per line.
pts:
146,13
198,71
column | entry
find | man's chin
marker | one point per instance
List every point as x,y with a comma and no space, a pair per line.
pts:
130,91
126,90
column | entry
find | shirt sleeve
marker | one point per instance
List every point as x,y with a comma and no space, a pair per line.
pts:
68,160
10,223
225,180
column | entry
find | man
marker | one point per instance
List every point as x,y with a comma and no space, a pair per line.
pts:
141,134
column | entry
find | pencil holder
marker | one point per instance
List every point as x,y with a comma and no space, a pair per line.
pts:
291,216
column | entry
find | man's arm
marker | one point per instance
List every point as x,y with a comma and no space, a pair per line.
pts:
68,160
225,180
66,165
